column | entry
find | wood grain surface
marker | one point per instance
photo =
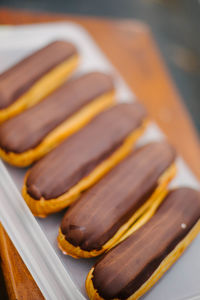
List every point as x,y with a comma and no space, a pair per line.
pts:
130,47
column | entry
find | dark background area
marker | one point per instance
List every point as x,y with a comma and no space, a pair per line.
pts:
175,25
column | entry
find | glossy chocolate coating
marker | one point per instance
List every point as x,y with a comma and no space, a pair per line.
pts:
19,78
28,129
123,270
113,200
77,156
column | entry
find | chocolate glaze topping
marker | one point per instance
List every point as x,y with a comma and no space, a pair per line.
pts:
123,270
18,79
77,156
102,210
26,130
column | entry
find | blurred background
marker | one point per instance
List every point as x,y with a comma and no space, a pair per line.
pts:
175,25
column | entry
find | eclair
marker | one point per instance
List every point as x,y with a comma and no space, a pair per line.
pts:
132,267
30,135
98,219
36,76
57,180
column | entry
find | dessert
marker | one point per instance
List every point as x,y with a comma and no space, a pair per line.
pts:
57,180
137,263
31,134
98,219
36,76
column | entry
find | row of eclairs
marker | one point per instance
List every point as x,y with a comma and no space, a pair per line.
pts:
81,146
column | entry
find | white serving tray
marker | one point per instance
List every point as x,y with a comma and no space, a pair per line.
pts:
58,276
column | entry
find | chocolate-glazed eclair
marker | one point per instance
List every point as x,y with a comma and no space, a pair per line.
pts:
59,178
35,77
136,264
31,134
96,221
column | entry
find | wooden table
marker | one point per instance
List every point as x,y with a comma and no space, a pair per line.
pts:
130,47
